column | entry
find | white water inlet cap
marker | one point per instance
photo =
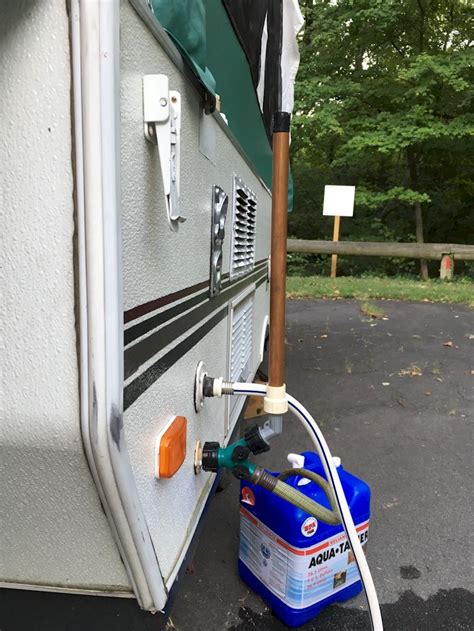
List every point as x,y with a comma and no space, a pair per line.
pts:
337,461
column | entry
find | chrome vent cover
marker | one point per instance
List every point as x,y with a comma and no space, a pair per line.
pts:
243,229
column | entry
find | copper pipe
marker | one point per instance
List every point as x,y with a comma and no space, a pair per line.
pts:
276,356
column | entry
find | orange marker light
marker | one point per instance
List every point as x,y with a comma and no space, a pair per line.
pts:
170,449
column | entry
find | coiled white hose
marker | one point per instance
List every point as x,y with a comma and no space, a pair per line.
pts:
333,477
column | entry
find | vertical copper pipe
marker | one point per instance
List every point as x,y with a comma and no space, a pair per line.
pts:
276,357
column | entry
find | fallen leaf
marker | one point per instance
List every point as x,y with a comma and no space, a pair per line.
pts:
450,343
391,504
323,336
411,371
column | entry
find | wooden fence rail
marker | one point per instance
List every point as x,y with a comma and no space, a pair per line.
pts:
447,253
430,251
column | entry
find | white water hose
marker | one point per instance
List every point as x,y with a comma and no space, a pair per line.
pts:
333,477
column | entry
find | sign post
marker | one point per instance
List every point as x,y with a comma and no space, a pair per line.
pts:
338,202
335,237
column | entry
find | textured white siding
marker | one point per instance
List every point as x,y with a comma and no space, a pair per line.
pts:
53,530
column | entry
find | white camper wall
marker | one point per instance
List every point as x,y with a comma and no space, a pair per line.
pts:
157,262
54,533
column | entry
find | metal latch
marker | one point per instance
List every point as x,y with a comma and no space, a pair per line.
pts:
162,124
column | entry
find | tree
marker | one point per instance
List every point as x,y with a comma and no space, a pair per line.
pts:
384,99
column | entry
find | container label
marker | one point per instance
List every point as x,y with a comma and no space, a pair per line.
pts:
309,527
300,577
248,496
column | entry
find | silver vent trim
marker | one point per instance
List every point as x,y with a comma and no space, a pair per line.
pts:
244,207
220,202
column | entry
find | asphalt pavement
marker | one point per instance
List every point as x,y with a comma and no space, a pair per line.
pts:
394,397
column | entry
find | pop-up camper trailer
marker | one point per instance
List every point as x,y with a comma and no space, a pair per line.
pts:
136,177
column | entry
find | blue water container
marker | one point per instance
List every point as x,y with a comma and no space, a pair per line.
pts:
300,565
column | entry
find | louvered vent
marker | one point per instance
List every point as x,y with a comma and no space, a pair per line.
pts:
243,230
241,349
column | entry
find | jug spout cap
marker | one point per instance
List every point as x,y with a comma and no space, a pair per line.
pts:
297,462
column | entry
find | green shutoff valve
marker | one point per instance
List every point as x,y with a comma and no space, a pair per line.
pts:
235,456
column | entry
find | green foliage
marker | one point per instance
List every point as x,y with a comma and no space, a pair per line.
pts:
385,101
376,199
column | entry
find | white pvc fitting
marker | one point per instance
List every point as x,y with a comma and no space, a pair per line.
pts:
217,387
275,401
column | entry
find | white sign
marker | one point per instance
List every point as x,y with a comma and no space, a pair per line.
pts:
339,200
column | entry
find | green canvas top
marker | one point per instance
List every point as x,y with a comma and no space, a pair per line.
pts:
202,31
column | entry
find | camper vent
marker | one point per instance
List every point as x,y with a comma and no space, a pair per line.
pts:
241,353
243,230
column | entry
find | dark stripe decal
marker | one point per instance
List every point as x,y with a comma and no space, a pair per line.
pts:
141,310
148,377
147,307
134,332
144,350
156,370
140,329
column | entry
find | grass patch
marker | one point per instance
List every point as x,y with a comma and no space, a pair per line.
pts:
436,369
366,288
371,310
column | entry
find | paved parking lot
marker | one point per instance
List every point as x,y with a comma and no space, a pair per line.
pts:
395,400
